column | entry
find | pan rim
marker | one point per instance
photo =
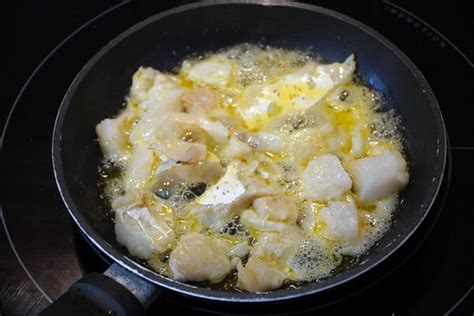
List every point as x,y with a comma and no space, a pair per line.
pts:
271,296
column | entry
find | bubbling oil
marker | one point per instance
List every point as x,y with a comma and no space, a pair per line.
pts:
347,108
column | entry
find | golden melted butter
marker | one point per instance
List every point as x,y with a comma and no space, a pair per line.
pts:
184,81
267,89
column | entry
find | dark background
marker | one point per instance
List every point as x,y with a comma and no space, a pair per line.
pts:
38,26
34,28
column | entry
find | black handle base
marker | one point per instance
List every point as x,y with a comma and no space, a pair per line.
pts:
96,294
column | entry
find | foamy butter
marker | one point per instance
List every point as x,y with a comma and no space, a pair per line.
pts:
283,109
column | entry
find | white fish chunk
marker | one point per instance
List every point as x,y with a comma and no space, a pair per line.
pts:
214,216
265,269
276,207
142,81
144,230
200,100
240,250
251,219
112,140
198,257
247,168
275,244
213,71
153,125
324,178
156,106
144,132
256,188
376,177
263,141
139,169
178,150
214,129
156,92
259,276
235,148
357,143
340,221
173,173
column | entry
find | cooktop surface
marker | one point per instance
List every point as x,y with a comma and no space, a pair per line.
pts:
431,274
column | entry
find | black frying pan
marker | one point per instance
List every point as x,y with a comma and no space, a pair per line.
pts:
162,41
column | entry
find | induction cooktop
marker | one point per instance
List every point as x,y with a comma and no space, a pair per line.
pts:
431,274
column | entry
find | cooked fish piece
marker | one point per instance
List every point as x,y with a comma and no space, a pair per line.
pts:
235,148
181,151
357,143
265,269
377,177
201,172
214,129
256,188
144,230
339,221
140,168
259,276
200,100
213,216
263,141
229,196
275,244
156,92
213,71
324,178
142,81
277,207
259,223
198,257
113,138
240,250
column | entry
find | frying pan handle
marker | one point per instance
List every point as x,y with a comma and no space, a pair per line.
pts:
144,291
116,292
